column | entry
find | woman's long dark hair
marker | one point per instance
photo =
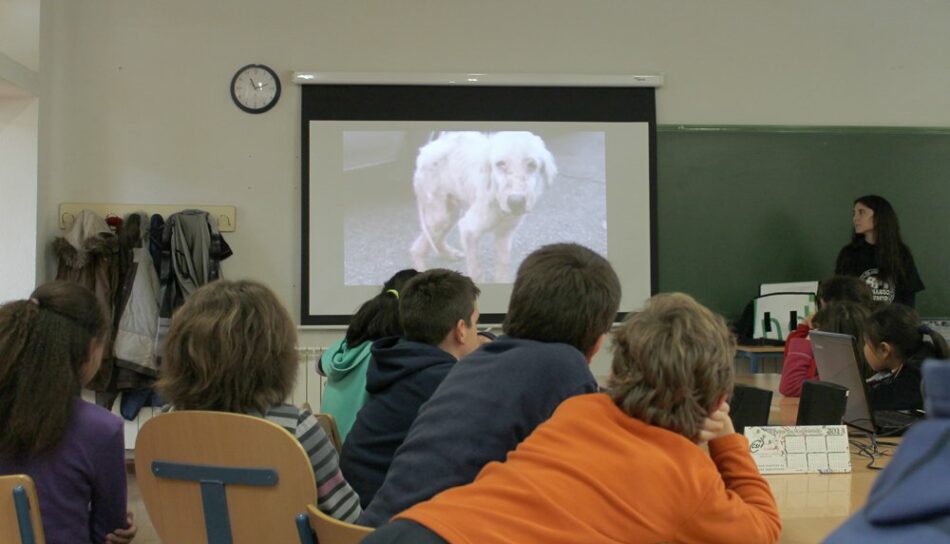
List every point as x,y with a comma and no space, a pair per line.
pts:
378,317
892,255
44,342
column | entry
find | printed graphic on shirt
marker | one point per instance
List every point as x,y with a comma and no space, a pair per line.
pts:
882,290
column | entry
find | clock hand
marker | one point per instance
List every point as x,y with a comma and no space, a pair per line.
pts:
253,84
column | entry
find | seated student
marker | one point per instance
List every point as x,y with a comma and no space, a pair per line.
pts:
909,499
625,466
799,365
895,348
50,346
564,299
345,362
231,348
438,312
798,353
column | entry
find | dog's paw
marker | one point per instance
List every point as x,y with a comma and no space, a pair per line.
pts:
454,252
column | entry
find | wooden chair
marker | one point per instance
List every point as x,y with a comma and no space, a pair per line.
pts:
329,530
222,478
329,426
20,510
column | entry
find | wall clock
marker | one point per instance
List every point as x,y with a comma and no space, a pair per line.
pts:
255,88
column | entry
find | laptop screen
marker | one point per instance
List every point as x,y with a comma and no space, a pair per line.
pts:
834,354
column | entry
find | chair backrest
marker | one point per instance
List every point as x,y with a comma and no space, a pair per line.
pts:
938,324
777,314
329,426
333,531
219,478
20,511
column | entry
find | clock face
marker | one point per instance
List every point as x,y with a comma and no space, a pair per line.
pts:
255,88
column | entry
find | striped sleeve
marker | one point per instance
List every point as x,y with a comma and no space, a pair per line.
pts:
335,497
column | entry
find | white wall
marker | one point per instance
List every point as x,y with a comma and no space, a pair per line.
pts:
137,107
19,61
20,31
18,150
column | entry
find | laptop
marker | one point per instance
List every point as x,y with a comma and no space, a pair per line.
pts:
834,354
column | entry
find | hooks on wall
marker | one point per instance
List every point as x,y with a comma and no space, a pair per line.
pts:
68,211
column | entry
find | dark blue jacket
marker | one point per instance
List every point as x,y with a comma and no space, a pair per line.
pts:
489,402
400,377
910,500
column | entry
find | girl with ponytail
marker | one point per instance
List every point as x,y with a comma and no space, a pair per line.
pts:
50,346
895,347
344,363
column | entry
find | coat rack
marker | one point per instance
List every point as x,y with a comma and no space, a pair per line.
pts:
226,216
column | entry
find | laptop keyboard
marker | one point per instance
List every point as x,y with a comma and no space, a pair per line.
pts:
889,419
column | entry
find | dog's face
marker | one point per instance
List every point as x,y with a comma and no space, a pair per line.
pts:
521,166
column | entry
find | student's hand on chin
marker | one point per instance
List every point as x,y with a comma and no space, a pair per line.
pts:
123,536
717,425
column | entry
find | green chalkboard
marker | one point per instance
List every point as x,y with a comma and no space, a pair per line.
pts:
740,206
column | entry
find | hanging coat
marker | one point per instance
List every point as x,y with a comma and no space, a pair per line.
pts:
87,255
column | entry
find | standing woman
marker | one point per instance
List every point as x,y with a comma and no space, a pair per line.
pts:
877,254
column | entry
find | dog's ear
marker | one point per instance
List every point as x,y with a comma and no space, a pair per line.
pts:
548,166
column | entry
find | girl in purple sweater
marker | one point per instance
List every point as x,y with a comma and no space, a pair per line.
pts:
51,345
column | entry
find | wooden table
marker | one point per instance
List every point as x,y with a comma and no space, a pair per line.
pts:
813,505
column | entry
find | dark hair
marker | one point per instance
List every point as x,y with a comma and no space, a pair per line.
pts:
563,293
432,303
231,347
378,317
893,257
846,317
899,326
44,343
844,288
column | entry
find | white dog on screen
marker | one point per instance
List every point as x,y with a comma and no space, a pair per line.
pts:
482,183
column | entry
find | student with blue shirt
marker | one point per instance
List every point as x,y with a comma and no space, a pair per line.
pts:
564,300
910,500
439,313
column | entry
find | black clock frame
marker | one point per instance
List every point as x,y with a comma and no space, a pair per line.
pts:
272,102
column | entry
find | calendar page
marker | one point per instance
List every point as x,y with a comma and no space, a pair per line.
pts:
800,449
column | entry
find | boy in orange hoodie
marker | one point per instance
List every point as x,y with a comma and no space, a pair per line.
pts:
626,465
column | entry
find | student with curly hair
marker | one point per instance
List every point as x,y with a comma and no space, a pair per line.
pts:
626,465
231,348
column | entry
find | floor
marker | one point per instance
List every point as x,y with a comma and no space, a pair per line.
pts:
146,534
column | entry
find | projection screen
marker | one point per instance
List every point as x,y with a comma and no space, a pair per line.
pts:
473,179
